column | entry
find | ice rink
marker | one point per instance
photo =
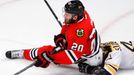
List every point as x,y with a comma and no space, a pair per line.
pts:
29,24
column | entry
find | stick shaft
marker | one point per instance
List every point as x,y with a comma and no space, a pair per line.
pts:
53,12
27,67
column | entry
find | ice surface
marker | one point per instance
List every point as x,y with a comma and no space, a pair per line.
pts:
29,23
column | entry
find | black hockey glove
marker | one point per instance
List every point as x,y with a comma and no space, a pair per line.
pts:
100,71
43,60
60,41
85,68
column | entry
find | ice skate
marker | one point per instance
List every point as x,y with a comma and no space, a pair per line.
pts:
15,54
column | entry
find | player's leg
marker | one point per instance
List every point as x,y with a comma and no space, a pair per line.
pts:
28,54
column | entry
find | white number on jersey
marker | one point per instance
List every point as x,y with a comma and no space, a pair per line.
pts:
78,47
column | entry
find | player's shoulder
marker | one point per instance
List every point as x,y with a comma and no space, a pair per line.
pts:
110,46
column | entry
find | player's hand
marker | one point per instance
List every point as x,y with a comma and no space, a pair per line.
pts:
85,68
60,41
100,71
43,60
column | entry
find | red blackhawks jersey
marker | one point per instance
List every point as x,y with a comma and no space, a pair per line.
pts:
82,38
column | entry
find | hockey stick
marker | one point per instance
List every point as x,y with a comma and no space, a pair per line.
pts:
53,12
48,5
27,67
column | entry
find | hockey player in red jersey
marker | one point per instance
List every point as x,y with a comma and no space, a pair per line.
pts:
113,55
78,37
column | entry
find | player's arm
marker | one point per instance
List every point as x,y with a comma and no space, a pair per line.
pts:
67,56
111,61
60,41
95,58
112,57
93,70
96,54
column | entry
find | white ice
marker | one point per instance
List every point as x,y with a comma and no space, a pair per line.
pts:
29,24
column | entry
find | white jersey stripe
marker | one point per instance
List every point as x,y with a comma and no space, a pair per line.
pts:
71,55
33,53
74,55
30,54
91,35
95,45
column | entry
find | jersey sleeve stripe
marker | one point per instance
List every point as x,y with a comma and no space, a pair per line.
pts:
71,55
114,66
95,44
47,58
93,32
110,69
33,53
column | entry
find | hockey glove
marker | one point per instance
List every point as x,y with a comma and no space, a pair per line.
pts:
43,60
85,68
60,41
100,71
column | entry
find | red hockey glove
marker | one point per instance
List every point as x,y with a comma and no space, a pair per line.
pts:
43,60
60,41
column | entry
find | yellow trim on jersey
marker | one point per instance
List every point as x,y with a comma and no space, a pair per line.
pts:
116,66
110,69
